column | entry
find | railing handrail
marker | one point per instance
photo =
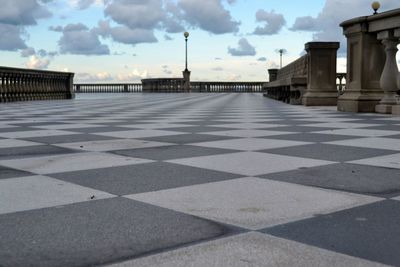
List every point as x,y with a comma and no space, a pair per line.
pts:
33,71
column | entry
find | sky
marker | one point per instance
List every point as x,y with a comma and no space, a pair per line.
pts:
112,41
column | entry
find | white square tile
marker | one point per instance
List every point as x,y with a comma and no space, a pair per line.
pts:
109,145
139,133
35,192
389,161
371,142
251,144
35,133
253,203
247,133
359,132
11,143
250,163
248,249
70,162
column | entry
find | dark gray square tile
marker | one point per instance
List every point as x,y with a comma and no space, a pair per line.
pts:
386,127
32,151
172,152
6,173
370,232
187,138
197,129
330,152
310,137
141,178
59,139
16,129
347,177
101,129
96,232
301,128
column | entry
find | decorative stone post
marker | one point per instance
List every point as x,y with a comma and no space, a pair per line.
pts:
321,84
273,74
390,72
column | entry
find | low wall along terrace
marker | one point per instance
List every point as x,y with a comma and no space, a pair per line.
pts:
24,85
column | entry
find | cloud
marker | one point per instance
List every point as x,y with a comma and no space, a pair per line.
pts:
217,69
244,49
209,15
14,16
326,25
168,38
96,77
36,62
134,76
273,22
22,12
14,41
125,35
77,39
30,51
262,59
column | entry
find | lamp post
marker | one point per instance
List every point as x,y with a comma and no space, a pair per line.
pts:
186,72
375,6
281,52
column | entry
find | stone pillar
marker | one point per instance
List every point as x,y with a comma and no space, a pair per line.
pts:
186,78
273,74
396,108
321,84
390,72
365,62
71,93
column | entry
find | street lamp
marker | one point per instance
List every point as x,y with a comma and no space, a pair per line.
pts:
186,34
186,72
281,52
375,6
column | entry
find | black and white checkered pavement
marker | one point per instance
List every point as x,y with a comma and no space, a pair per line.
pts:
196,180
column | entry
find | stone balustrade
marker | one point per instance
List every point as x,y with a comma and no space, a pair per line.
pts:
108,88
310,80
163,85
373,76
227,87
25,84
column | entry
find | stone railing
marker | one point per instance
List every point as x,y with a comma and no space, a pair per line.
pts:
227,87
25,84
108,88
372,74
163,85
310,80
341,83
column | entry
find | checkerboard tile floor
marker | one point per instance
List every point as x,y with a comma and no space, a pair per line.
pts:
196,180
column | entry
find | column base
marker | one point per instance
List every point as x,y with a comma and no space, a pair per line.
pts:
320,99
383,109
396,110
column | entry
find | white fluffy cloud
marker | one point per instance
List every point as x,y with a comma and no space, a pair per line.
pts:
326,25
36,62
244,49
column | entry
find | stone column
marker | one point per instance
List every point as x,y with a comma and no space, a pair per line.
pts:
273,74
396,108
321,84
186,77
365,61
390,72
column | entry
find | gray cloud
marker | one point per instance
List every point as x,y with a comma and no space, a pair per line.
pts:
326,25
30,51
262,59
209,15
273,22
125,35
83,4
14,41
244,49
79,40
14,15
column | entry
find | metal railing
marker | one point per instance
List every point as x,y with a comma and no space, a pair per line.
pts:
26,84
